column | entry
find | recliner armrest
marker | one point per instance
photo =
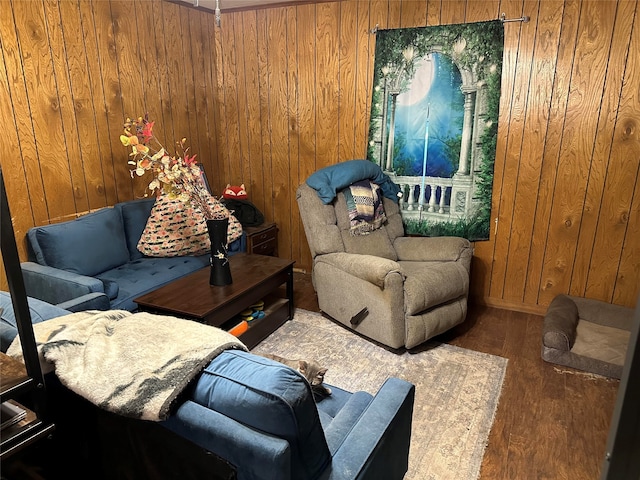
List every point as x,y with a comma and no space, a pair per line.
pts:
365,267
436,249
378,444
54,285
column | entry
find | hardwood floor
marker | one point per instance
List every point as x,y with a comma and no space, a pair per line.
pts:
552,422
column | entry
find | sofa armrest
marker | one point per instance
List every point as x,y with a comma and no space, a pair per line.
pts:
54,285
90,301
256,455
437,249
378,444
365,267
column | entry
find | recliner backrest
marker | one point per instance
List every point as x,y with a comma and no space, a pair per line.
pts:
327,227
244,386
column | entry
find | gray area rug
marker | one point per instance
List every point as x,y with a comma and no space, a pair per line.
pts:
457,390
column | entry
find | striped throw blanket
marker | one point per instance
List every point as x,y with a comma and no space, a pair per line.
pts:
132,364
364,204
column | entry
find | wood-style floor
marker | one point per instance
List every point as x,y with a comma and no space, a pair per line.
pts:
552,422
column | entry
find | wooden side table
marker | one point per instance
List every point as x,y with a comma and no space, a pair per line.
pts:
263,239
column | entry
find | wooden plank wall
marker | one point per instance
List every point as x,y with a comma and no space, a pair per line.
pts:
71,71
274,94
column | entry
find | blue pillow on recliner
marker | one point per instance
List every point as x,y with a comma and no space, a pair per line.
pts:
334,178
268,396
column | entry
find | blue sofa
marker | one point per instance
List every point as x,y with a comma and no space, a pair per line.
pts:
97,253
256,415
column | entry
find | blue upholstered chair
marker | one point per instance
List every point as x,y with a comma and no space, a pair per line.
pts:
257,415
261,416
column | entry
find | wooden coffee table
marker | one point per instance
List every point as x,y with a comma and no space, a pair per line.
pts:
255,277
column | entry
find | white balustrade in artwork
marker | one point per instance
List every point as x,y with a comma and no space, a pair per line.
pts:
440,199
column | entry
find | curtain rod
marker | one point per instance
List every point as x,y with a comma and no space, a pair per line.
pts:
503,18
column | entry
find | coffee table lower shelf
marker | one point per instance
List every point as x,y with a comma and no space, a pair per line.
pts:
276,313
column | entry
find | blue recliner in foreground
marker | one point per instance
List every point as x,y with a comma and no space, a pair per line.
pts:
257,415
261,416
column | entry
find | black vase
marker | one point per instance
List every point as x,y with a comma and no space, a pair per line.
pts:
220,268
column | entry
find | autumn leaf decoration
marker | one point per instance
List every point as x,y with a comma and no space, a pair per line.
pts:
178,175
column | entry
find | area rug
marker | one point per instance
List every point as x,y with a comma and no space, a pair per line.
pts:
457,390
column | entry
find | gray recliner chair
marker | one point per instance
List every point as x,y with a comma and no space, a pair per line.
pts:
399,291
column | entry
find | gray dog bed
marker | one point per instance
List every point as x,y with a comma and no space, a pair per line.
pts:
586,334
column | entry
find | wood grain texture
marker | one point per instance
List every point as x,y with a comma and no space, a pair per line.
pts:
453,11
365,45
80,128
413,14
273,94
97,109
510,217
587,82
297,232
127,97
44,108
279,171
347,71
615,184
528,152
14,154
484,287
551,153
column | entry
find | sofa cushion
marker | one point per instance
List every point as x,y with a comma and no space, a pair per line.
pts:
270,397
342,423
88,245
141,276
38,310
111,288
135,214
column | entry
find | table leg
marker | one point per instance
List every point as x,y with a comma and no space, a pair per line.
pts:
290,291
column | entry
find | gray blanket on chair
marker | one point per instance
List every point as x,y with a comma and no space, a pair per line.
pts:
132,364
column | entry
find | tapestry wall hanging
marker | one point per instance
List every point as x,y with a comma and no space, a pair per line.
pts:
434,123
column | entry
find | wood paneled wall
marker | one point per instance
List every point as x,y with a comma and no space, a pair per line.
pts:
71,71
274,94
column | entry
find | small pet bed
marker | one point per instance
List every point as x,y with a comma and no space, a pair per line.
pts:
587,334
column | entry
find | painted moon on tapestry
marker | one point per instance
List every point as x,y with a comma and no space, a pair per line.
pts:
434,123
